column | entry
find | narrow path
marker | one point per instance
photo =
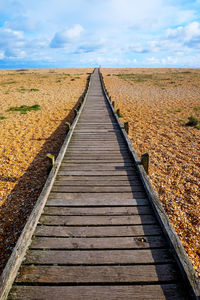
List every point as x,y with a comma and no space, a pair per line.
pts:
98,237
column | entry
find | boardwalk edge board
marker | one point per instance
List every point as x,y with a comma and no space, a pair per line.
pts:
10,271
185,265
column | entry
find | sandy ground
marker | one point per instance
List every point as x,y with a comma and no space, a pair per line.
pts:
27,138
157,104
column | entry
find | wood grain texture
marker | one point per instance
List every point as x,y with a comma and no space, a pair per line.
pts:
95,257
101,211
92,182
97,220
97,189
98,243
100,231
97,274
139,292
121,196
81,201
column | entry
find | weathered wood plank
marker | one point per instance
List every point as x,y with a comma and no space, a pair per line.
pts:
117,179
96,182
144,292
97,159
95,151
92,135
100,231
101,165
103,196
97,220
95,167
96,173
96,189
89,211
94,274
96,131
98,243
81,201
99,142
91,160
86,257
89,155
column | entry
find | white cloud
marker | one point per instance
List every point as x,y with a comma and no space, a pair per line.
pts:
2,55
153,60
62,38
188,35
137,48
11,42
108,31
74,32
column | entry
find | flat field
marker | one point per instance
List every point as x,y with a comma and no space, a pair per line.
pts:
157,104
46,99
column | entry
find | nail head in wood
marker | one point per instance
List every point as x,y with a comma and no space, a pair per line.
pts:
145,162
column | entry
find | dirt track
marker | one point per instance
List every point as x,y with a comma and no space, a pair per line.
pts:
157,104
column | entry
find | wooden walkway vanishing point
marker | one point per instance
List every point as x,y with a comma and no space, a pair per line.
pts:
98,236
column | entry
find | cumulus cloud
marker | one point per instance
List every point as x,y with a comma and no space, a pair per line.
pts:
2,55
11,42
189,35
132,32
62,38
138,48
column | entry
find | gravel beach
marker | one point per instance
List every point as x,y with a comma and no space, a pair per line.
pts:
157,104
27,135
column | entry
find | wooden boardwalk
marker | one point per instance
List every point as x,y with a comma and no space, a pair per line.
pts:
98,237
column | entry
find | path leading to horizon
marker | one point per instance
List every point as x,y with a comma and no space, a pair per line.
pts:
98,237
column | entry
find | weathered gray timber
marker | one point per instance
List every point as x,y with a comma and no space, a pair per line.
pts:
97,234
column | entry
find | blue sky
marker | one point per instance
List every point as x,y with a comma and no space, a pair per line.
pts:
110,33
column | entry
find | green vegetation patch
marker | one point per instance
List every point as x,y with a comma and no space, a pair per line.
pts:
174,110
193,121
24,108
34,90
135,77
2,117
77,77
8,82
157,79
23,90
196,108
